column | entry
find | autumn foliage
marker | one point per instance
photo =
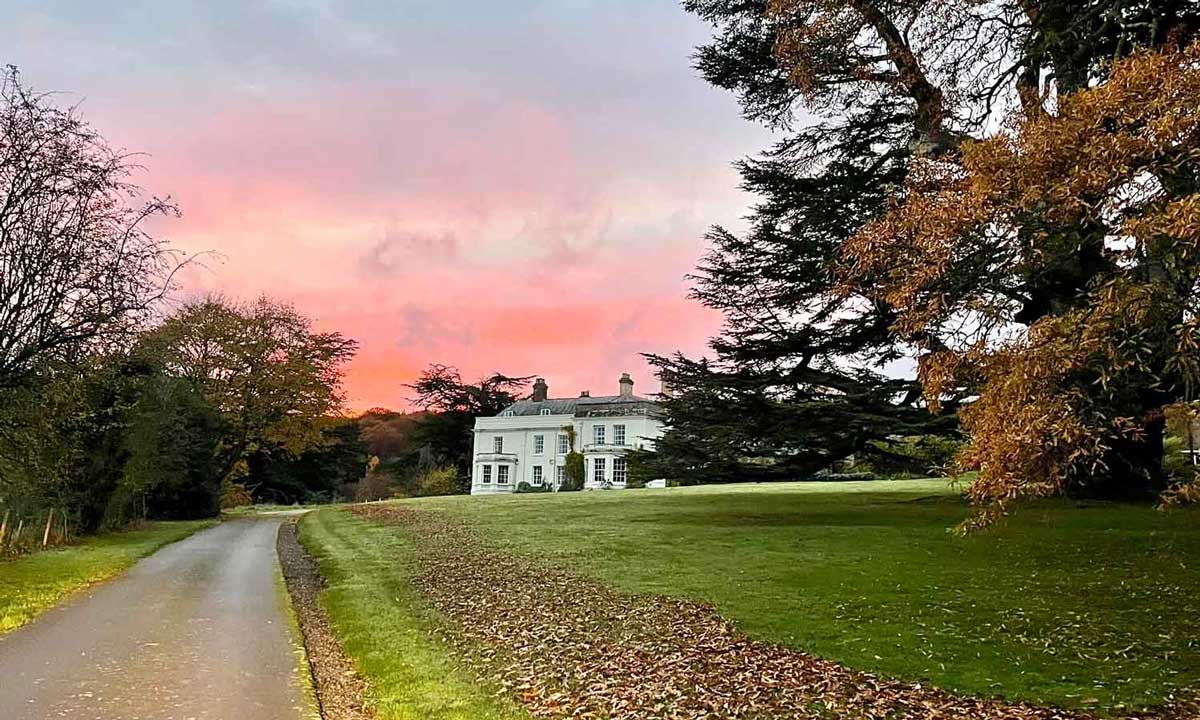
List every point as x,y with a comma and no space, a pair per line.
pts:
1051,270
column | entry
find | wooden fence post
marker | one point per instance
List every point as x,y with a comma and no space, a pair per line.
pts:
46,535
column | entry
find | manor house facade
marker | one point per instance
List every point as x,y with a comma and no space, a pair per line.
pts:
529,440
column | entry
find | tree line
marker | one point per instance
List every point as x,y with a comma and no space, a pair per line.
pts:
1001,196
117,404
430,452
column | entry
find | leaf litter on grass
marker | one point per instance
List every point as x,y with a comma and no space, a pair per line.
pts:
568,647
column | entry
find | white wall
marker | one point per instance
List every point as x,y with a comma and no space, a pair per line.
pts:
519,431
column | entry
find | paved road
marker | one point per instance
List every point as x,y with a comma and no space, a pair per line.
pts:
196,631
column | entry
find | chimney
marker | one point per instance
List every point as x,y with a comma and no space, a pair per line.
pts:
626,385
585,393
540,390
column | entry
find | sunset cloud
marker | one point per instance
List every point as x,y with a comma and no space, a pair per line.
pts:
520,191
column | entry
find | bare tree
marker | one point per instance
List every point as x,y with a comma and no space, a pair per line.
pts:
77,267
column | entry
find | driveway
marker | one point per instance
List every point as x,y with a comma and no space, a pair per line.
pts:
197,630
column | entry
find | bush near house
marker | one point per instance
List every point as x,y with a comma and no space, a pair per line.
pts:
441,481
576,472
524,487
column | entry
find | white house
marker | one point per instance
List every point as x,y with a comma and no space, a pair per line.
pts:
530,439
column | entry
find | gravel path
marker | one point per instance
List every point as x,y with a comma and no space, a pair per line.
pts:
196,631
340,690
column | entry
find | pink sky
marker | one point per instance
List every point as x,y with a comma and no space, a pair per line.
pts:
519,192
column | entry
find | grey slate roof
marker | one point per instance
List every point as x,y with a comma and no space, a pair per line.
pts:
635,404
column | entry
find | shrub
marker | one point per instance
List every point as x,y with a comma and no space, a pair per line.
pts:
575,473
849,477
234,495
375,486
440,481
1176,462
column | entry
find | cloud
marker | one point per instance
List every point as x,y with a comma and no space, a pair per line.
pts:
518,189
401,251
428,333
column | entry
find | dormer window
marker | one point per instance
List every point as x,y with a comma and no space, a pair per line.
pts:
545,411
506,413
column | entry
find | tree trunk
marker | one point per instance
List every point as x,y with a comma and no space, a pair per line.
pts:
49,521
1135,467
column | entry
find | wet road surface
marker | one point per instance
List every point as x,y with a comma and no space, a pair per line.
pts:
197,631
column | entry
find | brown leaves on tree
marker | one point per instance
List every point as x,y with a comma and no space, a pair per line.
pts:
567,647
1053,270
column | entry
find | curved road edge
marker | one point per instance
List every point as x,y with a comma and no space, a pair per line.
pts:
340,690
199,629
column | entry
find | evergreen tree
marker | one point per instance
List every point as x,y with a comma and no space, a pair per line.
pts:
445,431
795,383
859,90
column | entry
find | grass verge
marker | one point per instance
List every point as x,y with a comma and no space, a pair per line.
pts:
1073,604
387,628
32,584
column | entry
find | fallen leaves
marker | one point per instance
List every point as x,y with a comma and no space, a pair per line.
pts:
340,691
567,647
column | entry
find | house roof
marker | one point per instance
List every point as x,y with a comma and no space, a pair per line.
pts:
580,405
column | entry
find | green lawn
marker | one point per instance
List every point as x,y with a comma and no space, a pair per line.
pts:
1071,604
386,628
34,583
